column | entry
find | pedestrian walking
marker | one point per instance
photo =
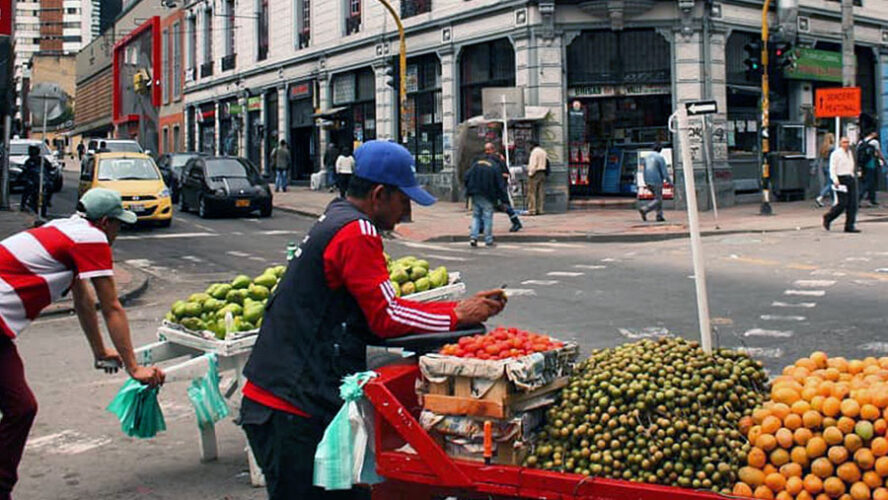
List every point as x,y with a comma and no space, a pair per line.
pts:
31,174
826,149
335,299
345,166
655,177
484,188
842,175
281,157
330,157
80,151
869,161
506,204
40,265
536,172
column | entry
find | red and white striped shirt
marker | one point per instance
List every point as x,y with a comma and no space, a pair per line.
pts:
39,265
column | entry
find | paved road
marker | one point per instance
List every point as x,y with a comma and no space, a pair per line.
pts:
779,295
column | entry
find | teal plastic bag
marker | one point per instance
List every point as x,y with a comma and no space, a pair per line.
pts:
209,405
137,409
345,455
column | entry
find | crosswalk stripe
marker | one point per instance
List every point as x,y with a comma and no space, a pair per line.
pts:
814,283
540,282
775,317
806,293
589,266
761,352
803,305
569,274
164,236
760,332
446,257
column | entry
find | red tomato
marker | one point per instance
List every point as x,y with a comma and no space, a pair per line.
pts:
491,349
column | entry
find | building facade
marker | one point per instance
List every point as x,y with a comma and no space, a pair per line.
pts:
108,103
599,81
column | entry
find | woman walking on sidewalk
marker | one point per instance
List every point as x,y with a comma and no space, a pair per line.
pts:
826,149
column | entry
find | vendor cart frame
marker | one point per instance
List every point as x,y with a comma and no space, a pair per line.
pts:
416,468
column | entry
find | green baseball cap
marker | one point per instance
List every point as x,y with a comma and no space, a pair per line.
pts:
103,202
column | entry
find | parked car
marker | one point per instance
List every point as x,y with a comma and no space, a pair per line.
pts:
136,178
217,184
171,165
18,155
114,146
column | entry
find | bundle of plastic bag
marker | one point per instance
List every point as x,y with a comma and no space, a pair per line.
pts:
345,455
138,410
207,400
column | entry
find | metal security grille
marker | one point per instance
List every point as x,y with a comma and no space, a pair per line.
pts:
608,57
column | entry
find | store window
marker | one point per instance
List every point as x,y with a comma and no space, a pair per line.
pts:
490,64
262,31
743,95
423,128
355,91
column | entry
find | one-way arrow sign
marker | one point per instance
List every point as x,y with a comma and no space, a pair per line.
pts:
701,107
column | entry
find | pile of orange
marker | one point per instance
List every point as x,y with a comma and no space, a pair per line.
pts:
822,434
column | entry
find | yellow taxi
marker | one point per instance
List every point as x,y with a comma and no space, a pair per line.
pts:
136,178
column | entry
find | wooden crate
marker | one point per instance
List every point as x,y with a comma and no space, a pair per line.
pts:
454,397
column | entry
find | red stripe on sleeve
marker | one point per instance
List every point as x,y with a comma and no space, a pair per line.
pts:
91,257
265,398
353,259
32,290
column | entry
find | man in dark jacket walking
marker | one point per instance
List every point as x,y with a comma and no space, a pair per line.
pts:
498,160
484,187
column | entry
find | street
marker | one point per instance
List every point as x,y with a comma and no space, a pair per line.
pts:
780,295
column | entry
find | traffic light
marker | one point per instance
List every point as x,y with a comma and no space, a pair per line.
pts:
389,77
784,56
753,59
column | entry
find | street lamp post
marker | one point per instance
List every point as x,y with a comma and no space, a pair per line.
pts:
402,61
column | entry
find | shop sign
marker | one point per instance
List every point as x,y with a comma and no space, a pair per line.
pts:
619,90
412,79
208,114
344,89
300,91
813,64
5,17
254,104
235,109
837,102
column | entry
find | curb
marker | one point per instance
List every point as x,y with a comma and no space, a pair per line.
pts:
67,307
611,238
297,211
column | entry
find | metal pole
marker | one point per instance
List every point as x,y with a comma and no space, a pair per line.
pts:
766,108
4,188
402,60
707,150
505,131
40,185
687,166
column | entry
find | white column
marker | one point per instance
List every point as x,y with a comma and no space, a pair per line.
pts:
449,103
217,140
387,108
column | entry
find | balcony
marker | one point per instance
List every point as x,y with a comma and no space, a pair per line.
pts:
413,7
190,75
206,69
228,62
304,39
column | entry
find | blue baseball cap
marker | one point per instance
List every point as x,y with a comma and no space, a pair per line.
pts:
389,163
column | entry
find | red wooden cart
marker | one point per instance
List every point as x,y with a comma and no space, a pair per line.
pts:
429,473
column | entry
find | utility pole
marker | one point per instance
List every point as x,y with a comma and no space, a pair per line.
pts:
402,70
849,66
766,121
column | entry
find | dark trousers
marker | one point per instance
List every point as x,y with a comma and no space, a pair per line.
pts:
657,202
284,446
18,406
870,182
342,181
847,202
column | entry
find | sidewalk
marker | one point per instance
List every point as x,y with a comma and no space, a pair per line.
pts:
131,282
447,221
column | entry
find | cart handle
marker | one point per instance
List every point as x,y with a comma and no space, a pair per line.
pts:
433,340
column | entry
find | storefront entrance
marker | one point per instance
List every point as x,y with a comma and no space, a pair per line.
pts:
356,92
208,129
302,130
253,129
619,102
